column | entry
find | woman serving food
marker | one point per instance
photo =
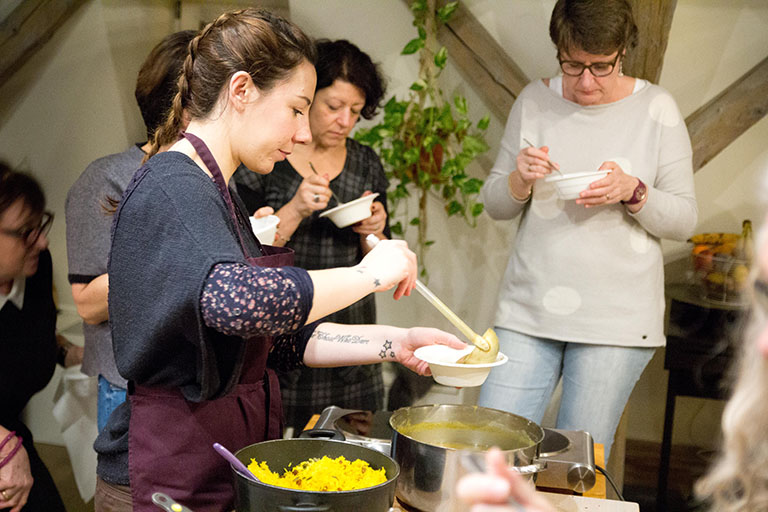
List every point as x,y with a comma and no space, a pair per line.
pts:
201,312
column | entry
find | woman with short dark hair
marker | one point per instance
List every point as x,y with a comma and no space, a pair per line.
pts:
349,86
583,295
28,344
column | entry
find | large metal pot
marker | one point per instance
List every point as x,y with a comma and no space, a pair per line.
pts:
253,496
430,441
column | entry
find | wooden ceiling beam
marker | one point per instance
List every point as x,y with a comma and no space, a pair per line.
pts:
27,28
729,114
482,61
654,21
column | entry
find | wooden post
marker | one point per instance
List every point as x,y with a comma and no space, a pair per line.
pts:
653,19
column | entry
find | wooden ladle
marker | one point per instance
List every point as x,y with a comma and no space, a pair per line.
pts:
486,346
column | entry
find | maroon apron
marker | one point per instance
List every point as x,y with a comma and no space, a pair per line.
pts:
171,438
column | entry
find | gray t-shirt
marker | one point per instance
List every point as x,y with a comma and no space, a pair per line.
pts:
88,243
593,275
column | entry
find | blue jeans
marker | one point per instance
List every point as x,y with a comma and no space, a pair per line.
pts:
597,382
110,396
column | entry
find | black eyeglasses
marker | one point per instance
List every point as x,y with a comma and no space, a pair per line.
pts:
598,69
31,235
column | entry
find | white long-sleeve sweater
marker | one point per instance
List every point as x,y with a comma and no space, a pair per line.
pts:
593,275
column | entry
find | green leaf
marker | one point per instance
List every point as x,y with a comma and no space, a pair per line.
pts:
477,209
460,103
474,145
412,155
483,123
441,57
454,207
413,46
427,243
422,33
415,221
472,186
397,228
445,12
418,5
418,85
446,119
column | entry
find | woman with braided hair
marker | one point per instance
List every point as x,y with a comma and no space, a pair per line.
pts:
201,313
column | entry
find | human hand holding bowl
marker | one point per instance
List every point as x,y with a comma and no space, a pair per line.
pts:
615,187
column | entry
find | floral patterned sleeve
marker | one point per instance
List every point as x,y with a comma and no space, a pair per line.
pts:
240,300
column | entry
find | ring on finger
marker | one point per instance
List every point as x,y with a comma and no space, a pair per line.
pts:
607,197
5,496
317,198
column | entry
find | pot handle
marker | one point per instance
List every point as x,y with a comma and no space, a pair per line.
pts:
322,433
530,469
303,508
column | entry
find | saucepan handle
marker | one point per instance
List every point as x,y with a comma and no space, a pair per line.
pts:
322,433
536,467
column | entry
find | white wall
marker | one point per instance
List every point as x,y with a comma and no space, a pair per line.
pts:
72,102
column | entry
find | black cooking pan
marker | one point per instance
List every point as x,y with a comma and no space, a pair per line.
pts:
253,496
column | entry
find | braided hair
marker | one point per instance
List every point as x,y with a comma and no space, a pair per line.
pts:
253,40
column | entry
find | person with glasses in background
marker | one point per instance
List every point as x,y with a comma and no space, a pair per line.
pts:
582,299
29,346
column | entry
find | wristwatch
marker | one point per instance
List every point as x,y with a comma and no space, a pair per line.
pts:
639,194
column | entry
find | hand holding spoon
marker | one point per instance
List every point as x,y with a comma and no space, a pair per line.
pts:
338,201
486,346
549,162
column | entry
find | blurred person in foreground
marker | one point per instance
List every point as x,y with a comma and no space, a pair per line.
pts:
500,489
88,224
738,480
29,346
583,295
349,86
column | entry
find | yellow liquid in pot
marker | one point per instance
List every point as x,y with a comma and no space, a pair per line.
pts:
462,436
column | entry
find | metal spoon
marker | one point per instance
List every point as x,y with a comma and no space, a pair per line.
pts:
239,466
338,201
486,346
549,162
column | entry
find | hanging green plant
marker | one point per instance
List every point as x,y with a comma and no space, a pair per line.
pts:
426,142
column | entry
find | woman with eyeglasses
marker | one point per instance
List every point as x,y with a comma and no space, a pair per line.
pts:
28,341
583,298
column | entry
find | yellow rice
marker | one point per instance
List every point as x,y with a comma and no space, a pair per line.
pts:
323,474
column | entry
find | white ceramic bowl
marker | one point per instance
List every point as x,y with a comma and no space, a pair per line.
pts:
349,213
446,371
570,185
265,228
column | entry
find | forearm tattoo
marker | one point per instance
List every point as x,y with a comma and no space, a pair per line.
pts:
376,281
353,339
386,347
